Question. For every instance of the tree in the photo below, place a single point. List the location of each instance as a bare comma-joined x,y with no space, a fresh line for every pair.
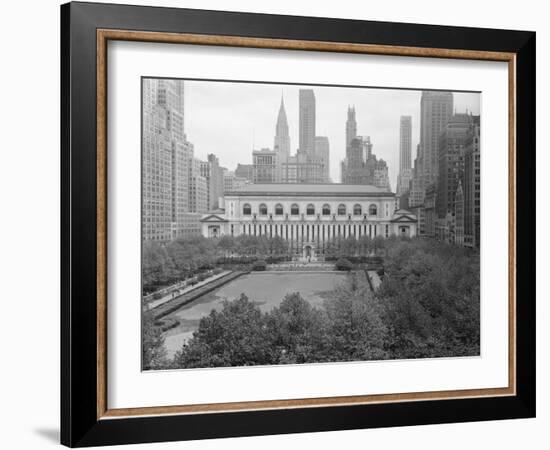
297,330
157,265
153,351
378,243
364,244
348,246
235,336
431,299
278,246
226,244
343,264
356,330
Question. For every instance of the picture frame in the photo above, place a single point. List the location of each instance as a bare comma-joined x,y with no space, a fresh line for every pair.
86,29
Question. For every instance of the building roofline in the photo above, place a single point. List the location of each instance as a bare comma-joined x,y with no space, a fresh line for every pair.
309,190
308,194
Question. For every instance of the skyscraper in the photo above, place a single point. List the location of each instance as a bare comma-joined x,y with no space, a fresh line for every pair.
198,190
245,171
436,108
166,156
452,145
266,166
303,169
351,127
416,195
471,186
307,121
282,138
458,237
405,143
322,152
213,173
362,167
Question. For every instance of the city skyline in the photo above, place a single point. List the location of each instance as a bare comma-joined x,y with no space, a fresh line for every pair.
249,113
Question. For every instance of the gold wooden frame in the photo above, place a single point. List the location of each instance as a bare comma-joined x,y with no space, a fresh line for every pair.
103,36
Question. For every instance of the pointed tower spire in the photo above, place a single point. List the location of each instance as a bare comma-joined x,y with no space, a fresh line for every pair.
282,138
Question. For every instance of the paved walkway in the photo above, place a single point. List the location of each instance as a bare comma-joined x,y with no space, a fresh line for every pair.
176,303
177,293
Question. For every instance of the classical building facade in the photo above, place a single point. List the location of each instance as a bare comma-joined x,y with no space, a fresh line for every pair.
309,216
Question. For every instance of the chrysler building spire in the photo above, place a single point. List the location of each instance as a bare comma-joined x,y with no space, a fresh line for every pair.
282,137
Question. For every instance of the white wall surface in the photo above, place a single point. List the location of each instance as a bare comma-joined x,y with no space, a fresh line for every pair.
29,188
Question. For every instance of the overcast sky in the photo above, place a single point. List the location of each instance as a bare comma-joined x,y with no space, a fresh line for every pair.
229,119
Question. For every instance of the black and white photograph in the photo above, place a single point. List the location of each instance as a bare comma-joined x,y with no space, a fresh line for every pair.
299,224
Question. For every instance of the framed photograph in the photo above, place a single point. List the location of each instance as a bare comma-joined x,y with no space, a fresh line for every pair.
276,224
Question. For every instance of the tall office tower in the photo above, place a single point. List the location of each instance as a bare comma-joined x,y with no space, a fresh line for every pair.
165,160
303,169
357,151
322,152
452,145
266,166
436,108
458,213
471,186
213,173
232,182
245,171
215,190
282,138
351,126
198,191
362,167
405,143
416,195
380,175
307,121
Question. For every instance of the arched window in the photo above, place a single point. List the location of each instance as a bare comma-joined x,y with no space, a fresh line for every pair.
357,210
341,209
326,210
373,210
278,209
247,210
263,209
294,210
310,210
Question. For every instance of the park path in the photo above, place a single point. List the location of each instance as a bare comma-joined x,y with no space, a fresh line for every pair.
175,303
174,294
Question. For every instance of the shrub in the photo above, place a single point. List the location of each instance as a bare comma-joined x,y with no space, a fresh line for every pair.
202,276
277,259
259,265
157,295
218,270
343,264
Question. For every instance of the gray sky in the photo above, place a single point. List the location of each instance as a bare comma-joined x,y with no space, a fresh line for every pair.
227,119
